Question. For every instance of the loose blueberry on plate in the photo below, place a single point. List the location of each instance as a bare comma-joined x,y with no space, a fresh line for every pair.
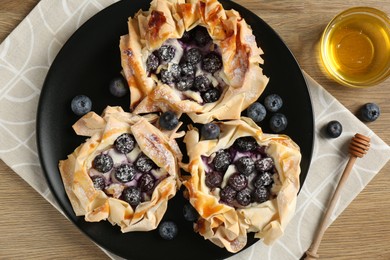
278,123
256,112
132,195
211,95
245,144
118,87
245,165
168,120
222,160
125,172
124,143
210,131
144,163
166,53
369,112
334,129
213,179
273,102
99,182
212,62
103,163
190,213
81,105
168,230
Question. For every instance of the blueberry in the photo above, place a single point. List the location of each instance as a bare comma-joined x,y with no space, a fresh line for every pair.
103,163
118,87
185,83
273,102
278,123
228,194
264,164
263,179
146,182
168,120
81,105
175,71
166,53
245,165
99,182
334,129
213,179
245,144
260,194
202,83
210,131
369,112
168,230
167,77
256,112
152,62
132,195
211,95
201,36
125,172
221,161
187,69
125,143
212,62
244,197
144,163
193,56
238,181
190,213
186,37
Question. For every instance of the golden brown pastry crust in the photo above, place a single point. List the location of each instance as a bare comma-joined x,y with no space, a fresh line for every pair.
168,19
102,132
224,225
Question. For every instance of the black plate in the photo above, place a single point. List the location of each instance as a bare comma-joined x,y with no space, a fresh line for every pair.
86,64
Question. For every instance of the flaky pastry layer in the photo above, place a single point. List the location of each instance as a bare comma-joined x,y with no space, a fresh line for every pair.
168,19
224,225
102,131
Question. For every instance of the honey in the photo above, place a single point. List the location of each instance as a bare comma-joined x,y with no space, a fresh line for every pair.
356,47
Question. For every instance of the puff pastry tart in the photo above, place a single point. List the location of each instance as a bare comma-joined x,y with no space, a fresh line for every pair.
245,181
194,57
124,173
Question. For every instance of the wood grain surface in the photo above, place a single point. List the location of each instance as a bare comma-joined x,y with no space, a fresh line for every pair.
30,228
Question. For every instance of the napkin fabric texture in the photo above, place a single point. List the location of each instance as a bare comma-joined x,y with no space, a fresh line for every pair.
25,58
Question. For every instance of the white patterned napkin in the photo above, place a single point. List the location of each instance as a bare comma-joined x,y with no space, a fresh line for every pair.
25,58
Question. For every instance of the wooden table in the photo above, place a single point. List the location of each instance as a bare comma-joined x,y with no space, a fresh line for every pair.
31,228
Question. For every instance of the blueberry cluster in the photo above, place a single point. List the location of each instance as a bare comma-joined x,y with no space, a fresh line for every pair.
184,76
253,173
135,176
272,103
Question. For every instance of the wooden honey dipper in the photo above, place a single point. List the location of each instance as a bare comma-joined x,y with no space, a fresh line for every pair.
357,148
